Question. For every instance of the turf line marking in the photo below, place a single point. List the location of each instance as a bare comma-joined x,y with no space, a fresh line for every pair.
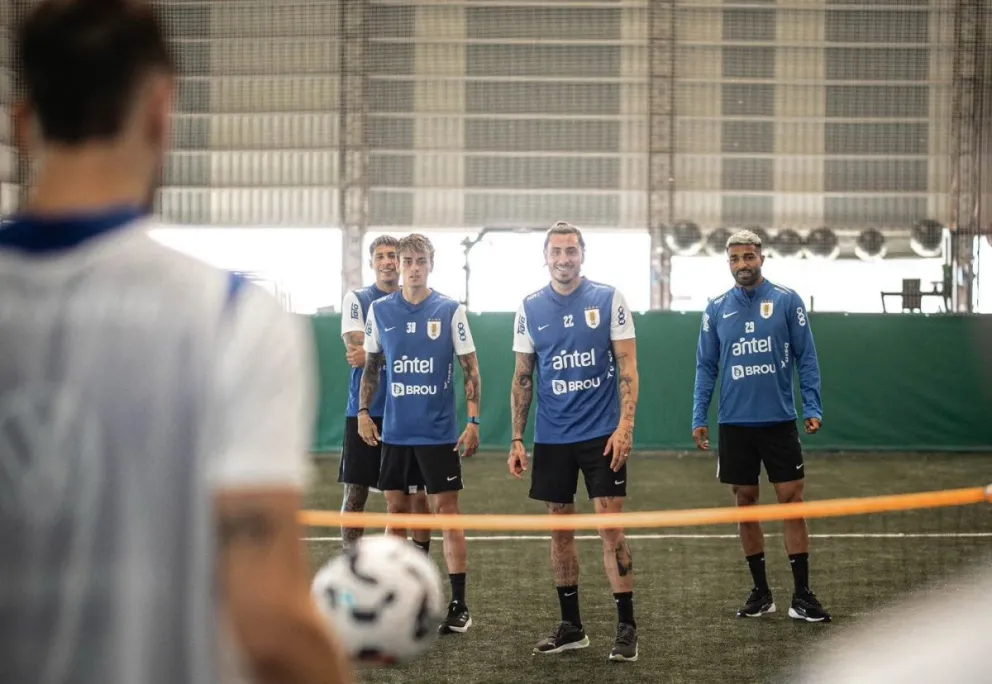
839,535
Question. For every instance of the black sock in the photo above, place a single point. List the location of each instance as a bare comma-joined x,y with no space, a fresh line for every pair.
425,546
568,599
457,587
757,565
625,608
800,571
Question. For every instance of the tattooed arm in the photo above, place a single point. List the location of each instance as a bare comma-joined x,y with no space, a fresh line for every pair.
374,363
625,352
473,382
354,352
522,393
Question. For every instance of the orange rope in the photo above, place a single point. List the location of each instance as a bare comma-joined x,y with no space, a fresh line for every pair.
656,519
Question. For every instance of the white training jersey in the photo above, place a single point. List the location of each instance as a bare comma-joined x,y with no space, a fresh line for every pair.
135,383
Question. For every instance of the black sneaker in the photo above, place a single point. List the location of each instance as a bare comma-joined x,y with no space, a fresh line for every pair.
457,621
625,645
759,602
565,637
805,606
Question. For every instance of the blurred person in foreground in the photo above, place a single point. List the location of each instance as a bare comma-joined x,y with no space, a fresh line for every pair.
579,335
155,413
415,334
752,337
360,462
938,634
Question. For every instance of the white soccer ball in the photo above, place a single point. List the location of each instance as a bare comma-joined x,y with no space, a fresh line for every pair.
383,599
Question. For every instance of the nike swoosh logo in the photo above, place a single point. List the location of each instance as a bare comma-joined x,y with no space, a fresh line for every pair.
388,329
732,313
571,594
452,479
799,466
619,482
542,327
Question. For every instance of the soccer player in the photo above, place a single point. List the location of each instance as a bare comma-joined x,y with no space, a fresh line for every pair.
155,412
415,334
758,332
359,469
580,335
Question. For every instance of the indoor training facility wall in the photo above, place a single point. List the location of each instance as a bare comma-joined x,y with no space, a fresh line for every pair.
890,383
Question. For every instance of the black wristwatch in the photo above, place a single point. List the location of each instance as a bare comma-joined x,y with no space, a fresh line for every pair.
473,420
363,410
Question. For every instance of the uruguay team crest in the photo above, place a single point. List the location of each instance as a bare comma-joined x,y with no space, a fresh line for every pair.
433,328
592,317
767,307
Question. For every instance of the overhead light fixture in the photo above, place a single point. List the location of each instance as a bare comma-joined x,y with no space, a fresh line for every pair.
787,244
870,245
684,238
716,242
822,243
926,238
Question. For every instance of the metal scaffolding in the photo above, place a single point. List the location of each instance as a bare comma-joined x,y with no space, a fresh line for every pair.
966,125
354,155
661,146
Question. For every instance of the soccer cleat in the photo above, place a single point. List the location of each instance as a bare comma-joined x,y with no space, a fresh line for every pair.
457,621
805,606
625,645
759,602
565,637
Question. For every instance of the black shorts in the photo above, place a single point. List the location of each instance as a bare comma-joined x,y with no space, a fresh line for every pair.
743,448
360,463
439,466
555,471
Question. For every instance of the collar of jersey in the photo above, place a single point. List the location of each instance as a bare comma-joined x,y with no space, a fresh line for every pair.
564,299
414,307
748,297
40,235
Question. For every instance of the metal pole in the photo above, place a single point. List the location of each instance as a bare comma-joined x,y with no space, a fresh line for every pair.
353,152
661,145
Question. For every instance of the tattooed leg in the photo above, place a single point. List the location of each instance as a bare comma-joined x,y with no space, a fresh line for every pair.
564,557
617,559
355,497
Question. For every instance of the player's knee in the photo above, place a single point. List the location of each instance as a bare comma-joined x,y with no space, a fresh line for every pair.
791,492
608,504
446,505
562,538
561,508
419,502
745,495
397,505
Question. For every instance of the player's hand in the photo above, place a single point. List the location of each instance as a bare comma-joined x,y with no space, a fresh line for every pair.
619,444
367,429
355,356
468,443
812,425
517,462
701,435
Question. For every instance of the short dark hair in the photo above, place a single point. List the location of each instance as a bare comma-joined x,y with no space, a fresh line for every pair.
81,63
383,241
563,228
